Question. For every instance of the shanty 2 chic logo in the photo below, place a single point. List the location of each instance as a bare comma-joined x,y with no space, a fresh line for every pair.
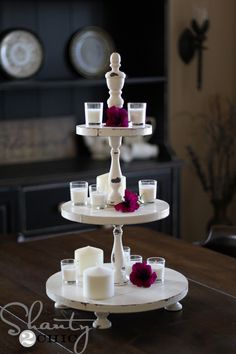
28,338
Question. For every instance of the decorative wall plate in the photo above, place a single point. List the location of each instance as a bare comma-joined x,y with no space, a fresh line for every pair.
90,50
21,53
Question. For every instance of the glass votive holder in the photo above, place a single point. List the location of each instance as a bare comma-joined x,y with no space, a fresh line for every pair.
79,192
134,258
158,266
69,271
93,113
137,113
147,190
98,198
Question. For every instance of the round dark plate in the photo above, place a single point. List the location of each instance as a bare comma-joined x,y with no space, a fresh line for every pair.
21,53
90,50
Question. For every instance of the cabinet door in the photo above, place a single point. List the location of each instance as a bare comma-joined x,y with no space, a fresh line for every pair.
40,209
3,219
164,177
8,205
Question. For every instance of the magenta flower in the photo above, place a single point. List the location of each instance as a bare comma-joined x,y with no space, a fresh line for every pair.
142,275
130,203
116,117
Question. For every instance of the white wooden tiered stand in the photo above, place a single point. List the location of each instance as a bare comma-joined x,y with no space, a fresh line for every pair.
128,298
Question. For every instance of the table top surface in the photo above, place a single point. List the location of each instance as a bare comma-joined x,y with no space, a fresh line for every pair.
205,325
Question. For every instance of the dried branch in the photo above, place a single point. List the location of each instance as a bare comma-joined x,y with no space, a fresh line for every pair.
220,131
198,168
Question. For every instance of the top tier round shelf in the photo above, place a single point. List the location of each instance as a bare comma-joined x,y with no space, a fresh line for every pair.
86,214
113,131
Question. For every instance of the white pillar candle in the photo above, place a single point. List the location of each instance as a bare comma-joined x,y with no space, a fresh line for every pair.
98,283
103,184
88,257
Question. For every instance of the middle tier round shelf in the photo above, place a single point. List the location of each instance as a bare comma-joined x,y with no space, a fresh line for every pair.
88,215
85,130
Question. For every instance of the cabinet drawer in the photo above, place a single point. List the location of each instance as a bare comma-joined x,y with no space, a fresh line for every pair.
41,206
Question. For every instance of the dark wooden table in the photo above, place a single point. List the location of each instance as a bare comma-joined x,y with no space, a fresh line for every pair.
207,323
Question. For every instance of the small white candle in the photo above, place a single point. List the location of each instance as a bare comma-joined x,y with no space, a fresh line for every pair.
159,269
69,273
158,266
147,193
69,270
93,116
93,113
88,257
98,283
128,267
137,113
98,199
137,116
79,196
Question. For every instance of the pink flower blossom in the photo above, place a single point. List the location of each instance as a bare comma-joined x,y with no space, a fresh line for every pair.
130,203
116,117
142,275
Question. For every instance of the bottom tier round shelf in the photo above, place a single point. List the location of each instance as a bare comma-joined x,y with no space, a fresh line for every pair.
127,299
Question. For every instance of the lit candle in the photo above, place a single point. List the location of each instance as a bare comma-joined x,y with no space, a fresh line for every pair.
98,283
88,257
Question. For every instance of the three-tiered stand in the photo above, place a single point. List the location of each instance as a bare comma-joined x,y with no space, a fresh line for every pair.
128,298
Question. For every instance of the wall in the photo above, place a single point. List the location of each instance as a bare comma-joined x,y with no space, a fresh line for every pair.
186,102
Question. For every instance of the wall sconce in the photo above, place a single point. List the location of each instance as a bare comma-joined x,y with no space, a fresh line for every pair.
191,42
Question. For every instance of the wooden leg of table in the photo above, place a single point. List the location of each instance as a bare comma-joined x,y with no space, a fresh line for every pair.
102,321
174,307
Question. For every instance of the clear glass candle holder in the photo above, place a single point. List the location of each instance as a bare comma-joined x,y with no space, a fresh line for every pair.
69,271
137,113
79,192
134,258
93,113
147,190
158,266
98,198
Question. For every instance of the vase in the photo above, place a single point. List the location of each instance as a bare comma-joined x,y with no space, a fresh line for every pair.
219,214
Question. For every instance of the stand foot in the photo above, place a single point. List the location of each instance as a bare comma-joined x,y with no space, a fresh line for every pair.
57,305
102,321
174,307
